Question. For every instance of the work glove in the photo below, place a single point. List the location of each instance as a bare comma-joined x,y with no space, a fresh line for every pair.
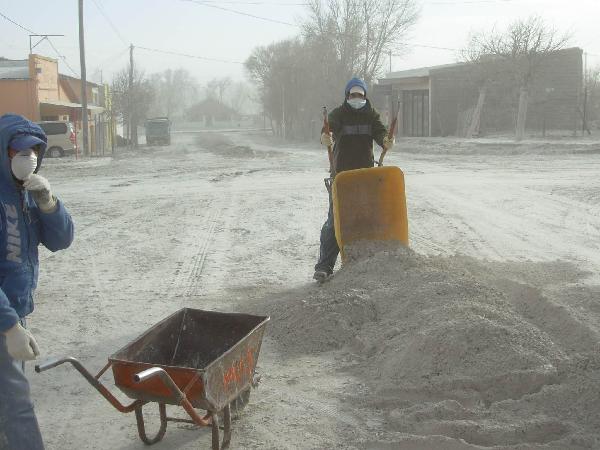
388,143
39,188
327,140
20,344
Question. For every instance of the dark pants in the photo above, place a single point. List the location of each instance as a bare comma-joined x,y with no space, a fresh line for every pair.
19,428
329,250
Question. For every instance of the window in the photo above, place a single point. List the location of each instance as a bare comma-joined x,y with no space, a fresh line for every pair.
54,128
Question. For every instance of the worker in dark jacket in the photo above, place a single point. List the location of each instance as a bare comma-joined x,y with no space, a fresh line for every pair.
29,215
354,126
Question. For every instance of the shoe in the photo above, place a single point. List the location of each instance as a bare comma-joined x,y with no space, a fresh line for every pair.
321,276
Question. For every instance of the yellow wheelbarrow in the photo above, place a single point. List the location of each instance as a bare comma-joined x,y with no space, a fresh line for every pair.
369,205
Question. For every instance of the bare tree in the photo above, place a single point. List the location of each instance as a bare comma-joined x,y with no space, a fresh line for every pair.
362,32
140,97
341,39
217,87
239,96
175,91
520,48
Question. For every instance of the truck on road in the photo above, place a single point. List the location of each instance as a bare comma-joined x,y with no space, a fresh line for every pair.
158,131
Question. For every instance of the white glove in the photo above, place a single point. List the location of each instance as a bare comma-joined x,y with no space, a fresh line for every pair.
20,344
388,143
41,193
327,140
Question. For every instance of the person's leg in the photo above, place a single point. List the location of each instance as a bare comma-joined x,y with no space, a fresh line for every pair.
329,249
19,428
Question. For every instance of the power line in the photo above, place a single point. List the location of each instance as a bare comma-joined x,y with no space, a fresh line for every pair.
101,9
205,58
113,58
467,2
20,26
252,3
241,13
61,57
48,39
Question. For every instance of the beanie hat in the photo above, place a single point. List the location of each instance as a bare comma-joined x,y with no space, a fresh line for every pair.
355,82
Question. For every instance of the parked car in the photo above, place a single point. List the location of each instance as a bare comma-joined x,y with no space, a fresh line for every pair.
61,138
158,131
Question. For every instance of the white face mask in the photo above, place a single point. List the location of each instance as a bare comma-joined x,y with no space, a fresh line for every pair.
357,103
23,164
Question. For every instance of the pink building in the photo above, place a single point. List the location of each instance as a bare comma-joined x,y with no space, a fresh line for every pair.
33,88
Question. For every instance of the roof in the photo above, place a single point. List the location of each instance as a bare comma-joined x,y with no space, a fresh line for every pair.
14,69
90,83
71,105
416,73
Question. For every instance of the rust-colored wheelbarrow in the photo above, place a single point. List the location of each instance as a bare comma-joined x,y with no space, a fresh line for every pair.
193,358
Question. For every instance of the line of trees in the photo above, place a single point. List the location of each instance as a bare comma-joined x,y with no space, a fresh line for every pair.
339,39
174,94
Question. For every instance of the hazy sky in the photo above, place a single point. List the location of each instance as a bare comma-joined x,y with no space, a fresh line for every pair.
207,30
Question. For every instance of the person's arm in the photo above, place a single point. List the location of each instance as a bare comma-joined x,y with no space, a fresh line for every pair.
8,316
56,228
378,129
20,343
335,123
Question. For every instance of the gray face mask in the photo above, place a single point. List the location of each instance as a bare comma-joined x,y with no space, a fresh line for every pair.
357,103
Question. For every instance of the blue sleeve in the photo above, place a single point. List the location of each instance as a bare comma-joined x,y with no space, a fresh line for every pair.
8,316
57,230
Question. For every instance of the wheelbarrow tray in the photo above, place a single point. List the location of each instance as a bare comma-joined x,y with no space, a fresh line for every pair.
211,356
369,205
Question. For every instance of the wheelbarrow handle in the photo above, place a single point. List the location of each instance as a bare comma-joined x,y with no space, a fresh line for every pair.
52,363
94,381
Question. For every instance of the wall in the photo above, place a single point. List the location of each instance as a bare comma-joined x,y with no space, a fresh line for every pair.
45,72
453,93
17,96
554,96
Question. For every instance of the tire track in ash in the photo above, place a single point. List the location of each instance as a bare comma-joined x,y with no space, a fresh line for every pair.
186,282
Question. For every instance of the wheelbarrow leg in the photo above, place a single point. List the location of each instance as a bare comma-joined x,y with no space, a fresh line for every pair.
226,430
215,431
139,417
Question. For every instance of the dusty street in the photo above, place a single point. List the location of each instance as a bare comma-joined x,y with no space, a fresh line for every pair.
231,223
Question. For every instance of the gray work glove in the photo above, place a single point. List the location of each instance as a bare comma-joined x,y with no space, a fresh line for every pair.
21,344
39,188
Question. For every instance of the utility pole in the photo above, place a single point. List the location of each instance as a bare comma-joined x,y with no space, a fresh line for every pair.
585,95
129,102
390,61
282,111
84,114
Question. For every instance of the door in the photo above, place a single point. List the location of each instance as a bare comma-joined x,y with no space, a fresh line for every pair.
415,112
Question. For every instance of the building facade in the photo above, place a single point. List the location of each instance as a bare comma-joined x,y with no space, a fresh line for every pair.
34,88
466,98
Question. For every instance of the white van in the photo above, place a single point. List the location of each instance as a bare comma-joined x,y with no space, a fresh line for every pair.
61,138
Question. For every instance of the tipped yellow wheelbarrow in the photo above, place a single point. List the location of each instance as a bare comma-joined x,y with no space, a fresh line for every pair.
369,205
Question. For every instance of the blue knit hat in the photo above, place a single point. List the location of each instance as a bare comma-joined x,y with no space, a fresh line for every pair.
355,82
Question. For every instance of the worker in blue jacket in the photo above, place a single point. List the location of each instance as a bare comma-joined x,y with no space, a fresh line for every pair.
29,215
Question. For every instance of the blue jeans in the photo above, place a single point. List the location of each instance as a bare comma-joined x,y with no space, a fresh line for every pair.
19,428
329,250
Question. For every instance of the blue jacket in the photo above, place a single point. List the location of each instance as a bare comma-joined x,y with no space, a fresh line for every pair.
22,228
